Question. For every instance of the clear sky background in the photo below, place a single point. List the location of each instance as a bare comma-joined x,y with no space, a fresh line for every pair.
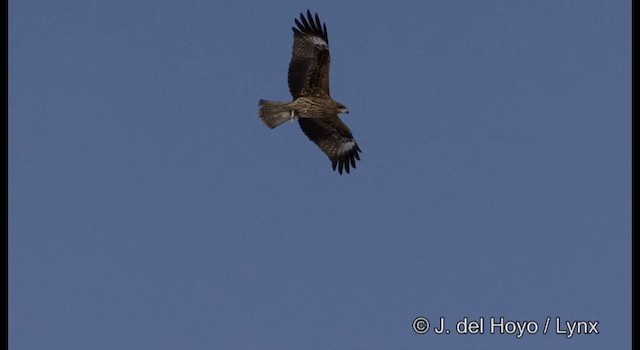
150,208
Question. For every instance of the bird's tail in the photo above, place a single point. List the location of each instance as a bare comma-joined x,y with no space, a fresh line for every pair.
274,113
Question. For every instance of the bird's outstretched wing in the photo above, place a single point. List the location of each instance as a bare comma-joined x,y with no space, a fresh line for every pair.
309,66
335,139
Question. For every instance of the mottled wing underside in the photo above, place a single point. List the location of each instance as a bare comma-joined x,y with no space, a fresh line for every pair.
335,139
309,67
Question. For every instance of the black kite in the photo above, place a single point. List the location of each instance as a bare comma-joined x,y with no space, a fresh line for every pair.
312,105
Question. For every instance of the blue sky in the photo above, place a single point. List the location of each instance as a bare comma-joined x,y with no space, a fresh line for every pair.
150,208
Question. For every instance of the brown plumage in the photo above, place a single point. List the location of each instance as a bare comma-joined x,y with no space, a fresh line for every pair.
312,104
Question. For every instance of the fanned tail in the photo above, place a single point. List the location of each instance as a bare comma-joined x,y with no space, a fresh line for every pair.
274,113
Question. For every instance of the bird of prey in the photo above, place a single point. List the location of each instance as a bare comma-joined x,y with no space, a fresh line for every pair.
312,105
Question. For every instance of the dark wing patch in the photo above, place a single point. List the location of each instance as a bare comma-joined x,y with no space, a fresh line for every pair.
310,59
335,139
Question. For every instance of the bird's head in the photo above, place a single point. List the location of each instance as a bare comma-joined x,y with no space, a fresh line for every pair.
342,108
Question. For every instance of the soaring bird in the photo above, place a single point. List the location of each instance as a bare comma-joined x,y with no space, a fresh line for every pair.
312,105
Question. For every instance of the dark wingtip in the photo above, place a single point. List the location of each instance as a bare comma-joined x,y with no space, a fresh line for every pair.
311,24
348,161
